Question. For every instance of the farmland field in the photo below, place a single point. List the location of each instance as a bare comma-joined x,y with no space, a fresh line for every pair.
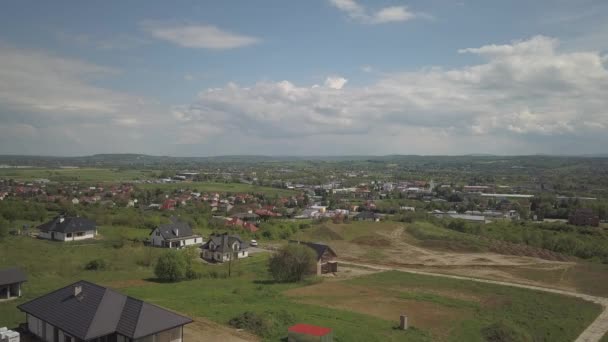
93,175
218,187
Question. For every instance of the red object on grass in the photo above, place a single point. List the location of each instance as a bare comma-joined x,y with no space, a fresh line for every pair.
309,330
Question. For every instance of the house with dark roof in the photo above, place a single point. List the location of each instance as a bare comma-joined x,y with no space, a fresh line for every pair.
325,257
10,282
367,216
584,217
176,234
85,311
63,228
224,247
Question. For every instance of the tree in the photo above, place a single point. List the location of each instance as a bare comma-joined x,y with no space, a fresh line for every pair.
291,263
172,266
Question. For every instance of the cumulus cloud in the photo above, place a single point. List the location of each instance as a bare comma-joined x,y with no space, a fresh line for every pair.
524,89
384,15
198,36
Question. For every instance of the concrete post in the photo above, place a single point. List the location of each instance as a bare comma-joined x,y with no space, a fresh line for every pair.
403,322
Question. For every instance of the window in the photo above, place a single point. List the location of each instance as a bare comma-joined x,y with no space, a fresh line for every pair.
79,234
69,234
157,233
67,338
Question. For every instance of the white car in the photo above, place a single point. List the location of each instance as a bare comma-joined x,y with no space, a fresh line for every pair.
253,243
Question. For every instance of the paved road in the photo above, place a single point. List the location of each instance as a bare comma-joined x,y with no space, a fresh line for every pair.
592,333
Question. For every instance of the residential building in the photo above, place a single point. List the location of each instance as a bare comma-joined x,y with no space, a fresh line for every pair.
224,247
10,282
584,217
63,228
176,234
367,216
86,311
325,257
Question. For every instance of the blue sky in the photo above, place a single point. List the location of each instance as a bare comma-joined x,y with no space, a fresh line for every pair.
303,77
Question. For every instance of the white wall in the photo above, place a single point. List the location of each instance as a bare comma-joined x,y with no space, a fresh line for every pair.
89,234
158,240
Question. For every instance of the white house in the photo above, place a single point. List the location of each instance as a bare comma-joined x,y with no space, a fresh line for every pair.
63,228
176,234
224,247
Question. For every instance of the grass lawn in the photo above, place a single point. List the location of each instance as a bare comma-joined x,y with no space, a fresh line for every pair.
219,187
455,310
92,175
359,309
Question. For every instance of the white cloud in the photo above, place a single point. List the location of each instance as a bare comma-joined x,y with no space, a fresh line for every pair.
384,15
394,13
524,90
197,36
335,82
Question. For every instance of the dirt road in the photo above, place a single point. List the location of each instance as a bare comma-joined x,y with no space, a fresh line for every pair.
592,333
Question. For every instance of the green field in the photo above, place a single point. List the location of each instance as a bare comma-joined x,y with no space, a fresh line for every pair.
219,187
460,308
93,175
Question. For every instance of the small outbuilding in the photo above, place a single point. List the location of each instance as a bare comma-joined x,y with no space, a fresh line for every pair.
10,283
309,333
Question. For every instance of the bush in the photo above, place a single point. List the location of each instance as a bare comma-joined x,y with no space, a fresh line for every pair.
292,263
266,324
96,265
504,332
171,267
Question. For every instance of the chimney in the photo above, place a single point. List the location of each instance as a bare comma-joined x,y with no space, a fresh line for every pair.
77,290
61,219
176,231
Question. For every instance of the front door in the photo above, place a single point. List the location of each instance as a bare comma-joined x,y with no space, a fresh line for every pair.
52,235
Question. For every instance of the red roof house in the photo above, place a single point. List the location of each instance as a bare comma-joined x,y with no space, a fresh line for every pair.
306,332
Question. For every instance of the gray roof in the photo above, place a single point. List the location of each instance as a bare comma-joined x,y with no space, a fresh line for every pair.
68,225
175,229
367,215
224,241
99,311
319,248
11,276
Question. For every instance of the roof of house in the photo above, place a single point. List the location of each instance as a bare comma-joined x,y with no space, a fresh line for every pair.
12,275
246,216
319,248
64,224
367,215
176,229
308,329
98,311
224,242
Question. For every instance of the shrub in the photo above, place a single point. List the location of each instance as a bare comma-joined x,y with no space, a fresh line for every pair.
96,265
171,266
266,324
291,263
504,332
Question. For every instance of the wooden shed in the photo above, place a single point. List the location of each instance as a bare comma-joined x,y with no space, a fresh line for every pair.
309,333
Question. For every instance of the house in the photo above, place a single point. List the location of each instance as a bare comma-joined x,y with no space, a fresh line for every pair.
325,257
367,216
10,282
224,247
168,204
176,234
308,333
86,311
63,228
584,217
248,217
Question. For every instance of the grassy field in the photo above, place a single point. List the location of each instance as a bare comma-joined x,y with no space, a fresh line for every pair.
455,310
76,175
219,187
360,309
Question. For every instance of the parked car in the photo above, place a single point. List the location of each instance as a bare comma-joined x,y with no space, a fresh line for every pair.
253,243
